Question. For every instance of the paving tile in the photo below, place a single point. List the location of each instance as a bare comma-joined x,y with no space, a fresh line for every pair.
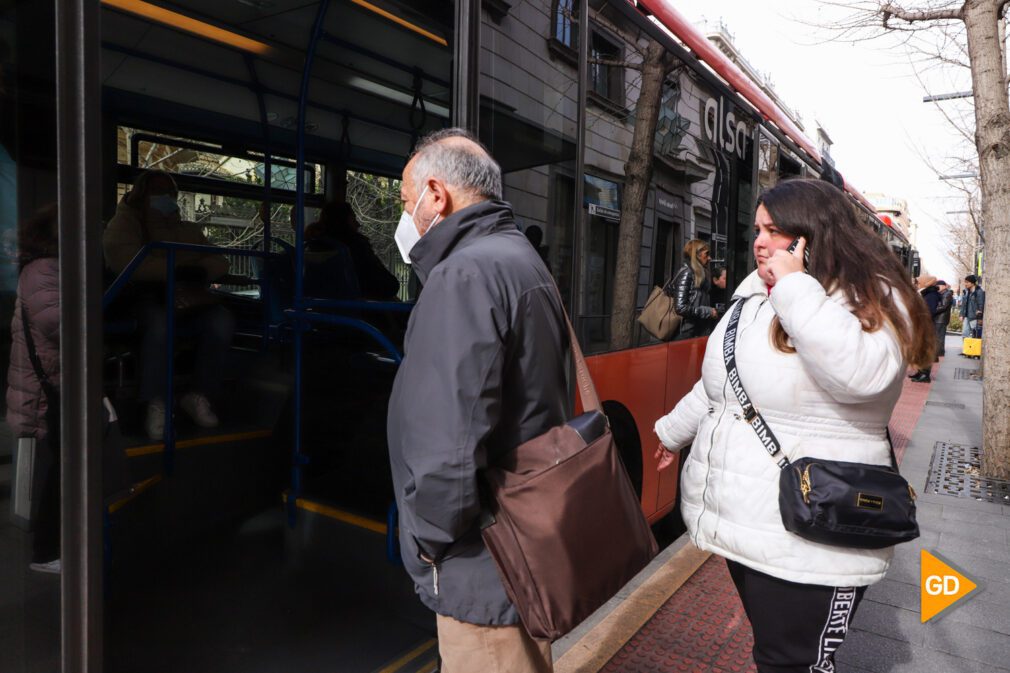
985,518
978,546
889,621
892,592
969,642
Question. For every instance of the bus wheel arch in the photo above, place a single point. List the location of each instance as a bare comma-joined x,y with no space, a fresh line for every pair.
629,444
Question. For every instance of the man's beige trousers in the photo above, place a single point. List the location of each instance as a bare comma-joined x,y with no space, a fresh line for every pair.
470,648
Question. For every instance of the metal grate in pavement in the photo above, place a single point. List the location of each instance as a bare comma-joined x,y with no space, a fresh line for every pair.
952,405
967,374
955,470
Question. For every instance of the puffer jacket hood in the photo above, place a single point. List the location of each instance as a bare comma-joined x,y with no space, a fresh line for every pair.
39,293
484,371
831,399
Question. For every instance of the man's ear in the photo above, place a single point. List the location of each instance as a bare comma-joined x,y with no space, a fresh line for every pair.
443,198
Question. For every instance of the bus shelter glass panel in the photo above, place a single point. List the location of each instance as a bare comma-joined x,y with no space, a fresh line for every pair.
29,315
528,118
205,538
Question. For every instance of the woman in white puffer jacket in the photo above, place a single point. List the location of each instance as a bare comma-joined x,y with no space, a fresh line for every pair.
822,355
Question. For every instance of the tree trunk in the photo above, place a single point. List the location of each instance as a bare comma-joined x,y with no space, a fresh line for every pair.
638,175
992,138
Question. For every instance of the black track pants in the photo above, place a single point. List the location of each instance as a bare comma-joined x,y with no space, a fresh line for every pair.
797,627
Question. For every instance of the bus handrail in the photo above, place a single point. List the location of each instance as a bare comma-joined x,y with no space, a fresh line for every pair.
353,323
126,275
360,305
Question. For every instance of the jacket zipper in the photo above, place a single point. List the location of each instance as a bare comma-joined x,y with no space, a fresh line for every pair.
711,439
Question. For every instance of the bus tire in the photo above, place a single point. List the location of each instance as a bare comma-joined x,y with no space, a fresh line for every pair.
629,446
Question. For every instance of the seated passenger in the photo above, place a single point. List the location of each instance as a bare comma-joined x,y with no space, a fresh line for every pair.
340,226
150,212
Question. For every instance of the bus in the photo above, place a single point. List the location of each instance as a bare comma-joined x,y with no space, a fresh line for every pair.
265,543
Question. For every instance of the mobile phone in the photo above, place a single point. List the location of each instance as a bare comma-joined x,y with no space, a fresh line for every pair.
806,252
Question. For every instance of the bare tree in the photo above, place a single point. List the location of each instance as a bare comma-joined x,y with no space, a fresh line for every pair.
983,45
656,65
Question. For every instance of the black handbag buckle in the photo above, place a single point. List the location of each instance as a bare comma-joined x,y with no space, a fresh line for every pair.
749,413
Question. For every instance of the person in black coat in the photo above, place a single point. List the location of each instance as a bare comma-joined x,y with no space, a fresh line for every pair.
690,290
931,295
941,317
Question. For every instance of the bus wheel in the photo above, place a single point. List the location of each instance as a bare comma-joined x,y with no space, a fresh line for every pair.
629,447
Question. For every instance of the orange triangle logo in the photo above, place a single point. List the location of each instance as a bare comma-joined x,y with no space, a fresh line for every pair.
940,586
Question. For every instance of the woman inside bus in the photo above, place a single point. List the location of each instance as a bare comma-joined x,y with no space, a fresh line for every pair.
150,212
690,290
822,355
29,409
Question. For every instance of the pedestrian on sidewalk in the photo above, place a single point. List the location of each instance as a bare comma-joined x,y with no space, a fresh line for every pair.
484,371
822,356
941,317
972,305
931,295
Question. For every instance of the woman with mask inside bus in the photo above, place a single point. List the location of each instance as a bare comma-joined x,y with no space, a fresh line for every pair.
821,349
150,212
690,290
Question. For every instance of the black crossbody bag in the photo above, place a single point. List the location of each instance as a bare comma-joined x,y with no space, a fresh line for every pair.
830,501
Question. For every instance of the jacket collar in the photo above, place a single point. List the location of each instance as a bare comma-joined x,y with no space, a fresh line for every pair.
476,221
750,286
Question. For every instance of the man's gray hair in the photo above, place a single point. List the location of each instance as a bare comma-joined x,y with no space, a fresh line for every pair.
457,164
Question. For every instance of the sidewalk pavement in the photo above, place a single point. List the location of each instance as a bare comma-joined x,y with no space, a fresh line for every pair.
683,613
887,634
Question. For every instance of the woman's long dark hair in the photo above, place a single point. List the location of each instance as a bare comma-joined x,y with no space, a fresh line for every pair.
847,256
37,235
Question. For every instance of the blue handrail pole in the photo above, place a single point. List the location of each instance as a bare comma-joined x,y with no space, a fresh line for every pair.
169,454
354,323
298,458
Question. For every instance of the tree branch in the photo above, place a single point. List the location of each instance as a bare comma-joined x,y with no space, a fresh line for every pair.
889,9
616,64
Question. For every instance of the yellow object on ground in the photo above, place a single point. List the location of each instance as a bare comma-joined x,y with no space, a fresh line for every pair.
972,348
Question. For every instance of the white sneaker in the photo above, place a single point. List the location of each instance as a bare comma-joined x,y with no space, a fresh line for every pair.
197,407
52,567
154,424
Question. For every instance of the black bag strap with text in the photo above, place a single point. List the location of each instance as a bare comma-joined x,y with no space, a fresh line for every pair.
750,414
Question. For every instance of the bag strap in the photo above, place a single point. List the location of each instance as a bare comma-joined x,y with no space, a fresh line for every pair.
587,391
750,414
47,385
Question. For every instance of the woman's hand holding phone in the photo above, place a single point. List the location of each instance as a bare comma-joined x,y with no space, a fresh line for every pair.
790,260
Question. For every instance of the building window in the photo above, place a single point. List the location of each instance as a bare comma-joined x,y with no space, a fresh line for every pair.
605,79
566,23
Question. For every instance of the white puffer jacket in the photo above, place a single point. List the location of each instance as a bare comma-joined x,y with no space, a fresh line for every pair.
831,399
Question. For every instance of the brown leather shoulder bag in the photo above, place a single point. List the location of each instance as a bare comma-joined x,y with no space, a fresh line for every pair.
564,525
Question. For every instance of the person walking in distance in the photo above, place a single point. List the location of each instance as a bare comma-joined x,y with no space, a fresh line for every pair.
930,293
972,305
821,350
941,317
486,351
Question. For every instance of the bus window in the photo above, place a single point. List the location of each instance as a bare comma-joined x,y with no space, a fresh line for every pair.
527,119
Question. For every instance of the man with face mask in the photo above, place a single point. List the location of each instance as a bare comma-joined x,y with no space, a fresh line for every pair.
150,212
484,371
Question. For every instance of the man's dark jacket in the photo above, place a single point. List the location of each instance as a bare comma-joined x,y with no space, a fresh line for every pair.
942,313
484,371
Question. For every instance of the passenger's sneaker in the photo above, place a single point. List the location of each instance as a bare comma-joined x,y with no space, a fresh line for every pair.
51,567
197,407
154,424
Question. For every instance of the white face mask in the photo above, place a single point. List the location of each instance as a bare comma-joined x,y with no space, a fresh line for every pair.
406,235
